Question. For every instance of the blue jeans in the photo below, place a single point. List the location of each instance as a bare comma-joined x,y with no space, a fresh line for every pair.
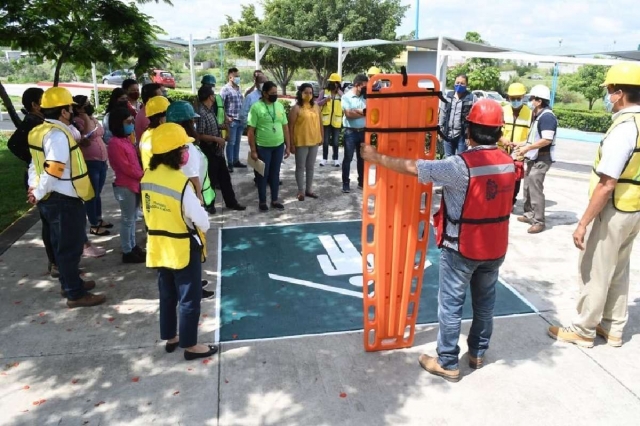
272,158
183,286
456,274
352,142
331,137
66,218
128,207
97,175
233,145
457,146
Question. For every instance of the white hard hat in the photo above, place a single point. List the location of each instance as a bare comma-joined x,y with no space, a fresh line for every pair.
540,91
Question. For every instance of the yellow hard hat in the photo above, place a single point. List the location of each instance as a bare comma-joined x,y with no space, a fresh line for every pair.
335,77
156,105
516,89
374,71
624,73
55,97
167,137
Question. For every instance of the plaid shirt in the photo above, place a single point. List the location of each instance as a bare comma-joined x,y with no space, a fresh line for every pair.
207,125
232,99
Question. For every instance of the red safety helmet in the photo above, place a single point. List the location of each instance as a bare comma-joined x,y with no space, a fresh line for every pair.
486,112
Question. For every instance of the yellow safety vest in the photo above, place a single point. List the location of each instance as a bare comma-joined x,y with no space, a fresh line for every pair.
626,194
169,237
516,130
145,148
78,167
332,111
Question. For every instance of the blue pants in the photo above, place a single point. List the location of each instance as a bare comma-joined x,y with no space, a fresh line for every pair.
128,201
457,146
331,137
181,287
456,275
66,218
97,175
233,145
352,142
272,158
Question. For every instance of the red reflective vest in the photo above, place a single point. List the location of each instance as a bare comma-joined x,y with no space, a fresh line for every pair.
483,228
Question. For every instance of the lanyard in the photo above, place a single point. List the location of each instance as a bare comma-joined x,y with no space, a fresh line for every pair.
273,116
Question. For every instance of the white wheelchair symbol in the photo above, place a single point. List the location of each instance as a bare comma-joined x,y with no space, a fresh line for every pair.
342,259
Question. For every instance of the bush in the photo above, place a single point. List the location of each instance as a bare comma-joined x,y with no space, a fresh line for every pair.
286,104
587,121
566,96
178,95
103,98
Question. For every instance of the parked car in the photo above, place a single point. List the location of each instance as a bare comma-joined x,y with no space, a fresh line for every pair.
117,77
535,77
490,94
314,85
163,77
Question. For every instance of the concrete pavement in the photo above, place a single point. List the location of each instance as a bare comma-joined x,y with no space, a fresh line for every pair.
105,365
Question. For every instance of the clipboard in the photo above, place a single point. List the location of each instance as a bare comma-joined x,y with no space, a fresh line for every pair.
257,165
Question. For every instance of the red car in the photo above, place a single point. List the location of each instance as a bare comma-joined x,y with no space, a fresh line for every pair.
164,77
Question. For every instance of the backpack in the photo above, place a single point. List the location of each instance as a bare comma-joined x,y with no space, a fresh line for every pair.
19,141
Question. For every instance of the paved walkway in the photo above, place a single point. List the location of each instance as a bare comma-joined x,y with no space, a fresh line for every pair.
106,366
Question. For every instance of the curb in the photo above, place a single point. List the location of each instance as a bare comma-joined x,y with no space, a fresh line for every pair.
18,228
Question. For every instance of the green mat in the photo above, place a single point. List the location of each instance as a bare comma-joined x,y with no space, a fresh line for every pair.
306,279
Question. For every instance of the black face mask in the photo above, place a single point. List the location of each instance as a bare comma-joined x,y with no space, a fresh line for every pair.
363,92
122,104
89,109
331,86
273,98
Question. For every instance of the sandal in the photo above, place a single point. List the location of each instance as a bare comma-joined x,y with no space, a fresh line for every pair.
311,195
300,197
106,225
95,230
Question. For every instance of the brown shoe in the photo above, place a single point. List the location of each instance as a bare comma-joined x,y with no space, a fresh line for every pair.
87,300
524,219
614,341
431,365
87,285
476,363
565,334
536,229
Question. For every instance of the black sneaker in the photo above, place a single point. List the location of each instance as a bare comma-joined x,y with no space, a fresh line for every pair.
132,257
345,188
230,168
238,207
276,205
205,283
239,165
211,209
206,294
263,207
140,251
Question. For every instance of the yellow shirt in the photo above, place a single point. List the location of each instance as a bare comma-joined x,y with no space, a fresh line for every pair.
306,129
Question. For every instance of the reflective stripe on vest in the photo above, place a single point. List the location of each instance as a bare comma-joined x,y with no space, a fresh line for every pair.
76,164
626,194
169,241
208,193
516,130
220,112
483,228
332,111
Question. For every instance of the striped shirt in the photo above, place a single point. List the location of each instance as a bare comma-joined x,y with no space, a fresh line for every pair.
453,175
206,124
232,98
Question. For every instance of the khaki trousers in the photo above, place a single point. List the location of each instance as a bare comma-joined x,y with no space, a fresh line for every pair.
604,273
534,201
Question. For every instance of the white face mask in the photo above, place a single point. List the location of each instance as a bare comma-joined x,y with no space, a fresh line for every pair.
236,80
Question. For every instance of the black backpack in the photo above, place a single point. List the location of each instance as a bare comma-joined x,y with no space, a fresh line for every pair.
19,141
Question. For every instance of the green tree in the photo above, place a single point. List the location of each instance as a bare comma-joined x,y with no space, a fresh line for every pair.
61,31
484,74
586,82
323,21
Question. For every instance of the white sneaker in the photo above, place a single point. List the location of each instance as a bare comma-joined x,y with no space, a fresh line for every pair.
139,215
323,163
336,163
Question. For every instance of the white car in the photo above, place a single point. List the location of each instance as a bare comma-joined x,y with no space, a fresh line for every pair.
489,94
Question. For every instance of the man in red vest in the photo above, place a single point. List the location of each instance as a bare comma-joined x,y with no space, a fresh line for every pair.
472,228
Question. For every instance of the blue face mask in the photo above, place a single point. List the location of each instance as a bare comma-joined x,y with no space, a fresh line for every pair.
608,105
460,88
128,129
516,104
530,105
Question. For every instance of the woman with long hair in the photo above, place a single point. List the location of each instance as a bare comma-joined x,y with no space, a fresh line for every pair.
118,98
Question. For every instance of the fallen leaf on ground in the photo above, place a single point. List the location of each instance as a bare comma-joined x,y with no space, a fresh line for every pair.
112,285
99,404
17,302
24,411
111,319
176,392
235,336
135,379
206,361
74,381
189,369
226,381
205,316
69,329
40,402
41,314
43,322
343,395
25,387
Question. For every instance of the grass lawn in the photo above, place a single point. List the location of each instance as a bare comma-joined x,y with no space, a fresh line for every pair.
13,202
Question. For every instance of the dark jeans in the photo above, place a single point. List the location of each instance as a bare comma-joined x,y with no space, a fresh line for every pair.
272,158
219,173
97,175
456,146
66,217
331,137
183,287
236,128
456,275
46,232
352,142
516,191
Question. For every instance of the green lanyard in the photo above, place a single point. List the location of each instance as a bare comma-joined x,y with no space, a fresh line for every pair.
273,116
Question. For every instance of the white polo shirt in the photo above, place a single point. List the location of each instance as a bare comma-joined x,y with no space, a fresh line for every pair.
618,146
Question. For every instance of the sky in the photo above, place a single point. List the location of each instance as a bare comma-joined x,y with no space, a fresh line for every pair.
532,26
